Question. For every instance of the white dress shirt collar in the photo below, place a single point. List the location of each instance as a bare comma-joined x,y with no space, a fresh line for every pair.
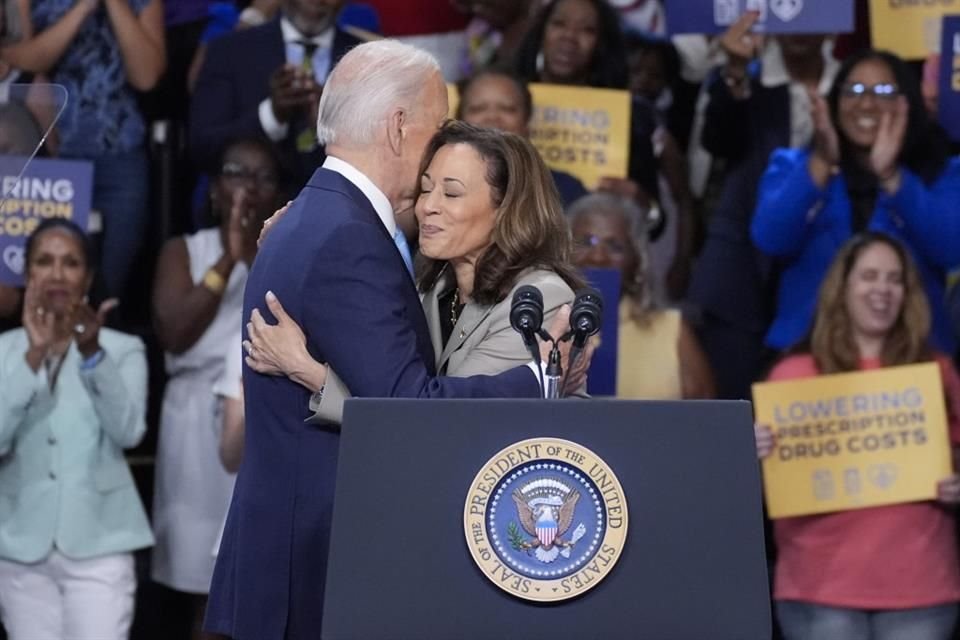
373,193
292,36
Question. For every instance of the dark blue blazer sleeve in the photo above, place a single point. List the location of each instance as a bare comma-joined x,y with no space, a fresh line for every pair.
356,309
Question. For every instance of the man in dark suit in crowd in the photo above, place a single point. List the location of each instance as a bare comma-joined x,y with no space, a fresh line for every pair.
342,268
268,80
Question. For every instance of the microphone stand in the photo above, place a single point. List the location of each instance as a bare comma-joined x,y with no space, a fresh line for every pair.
553,388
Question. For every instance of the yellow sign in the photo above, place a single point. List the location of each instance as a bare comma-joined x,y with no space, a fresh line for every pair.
854,440
909,28
583,131
545,519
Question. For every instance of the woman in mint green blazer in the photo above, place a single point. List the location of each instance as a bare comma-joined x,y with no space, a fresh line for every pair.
72,397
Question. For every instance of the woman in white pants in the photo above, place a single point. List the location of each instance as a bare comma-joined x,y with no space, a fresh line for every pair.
72,399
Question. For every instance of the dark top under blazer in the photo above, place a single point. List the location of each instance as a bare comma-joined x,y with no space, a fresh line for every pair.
335,267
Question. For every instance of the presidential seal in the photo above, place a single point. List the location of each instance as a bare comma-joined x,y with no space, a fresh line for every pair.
545,519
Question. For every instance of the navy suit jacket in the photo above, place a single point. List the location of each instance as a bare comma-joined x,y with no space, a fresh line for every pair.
234,80
339,275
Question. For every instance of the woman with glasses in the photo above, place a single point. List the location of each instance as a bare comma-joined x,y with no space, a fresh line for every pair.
197,311
877,163
658,357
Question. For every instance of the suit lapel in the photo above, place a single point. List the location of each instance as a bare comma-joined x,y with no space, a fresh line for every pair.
470,319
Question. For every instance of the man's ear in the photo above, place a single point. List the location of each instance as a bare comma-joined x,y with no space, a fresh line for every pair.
396,130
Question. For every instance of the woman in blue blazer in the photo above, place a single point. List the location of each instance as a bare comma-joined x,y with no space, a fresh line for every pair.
72,397
877,163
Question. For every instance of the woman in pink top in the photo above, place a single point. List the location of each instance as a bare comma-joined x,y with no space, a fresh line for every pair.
880,573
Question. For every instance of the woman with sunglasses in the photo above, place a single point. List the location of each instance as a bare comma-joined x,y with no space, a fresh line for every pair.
876,163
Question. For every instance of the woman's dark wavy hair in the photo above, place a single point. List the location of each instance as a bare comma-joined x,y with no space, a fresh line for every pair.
530,230
925,148
608,66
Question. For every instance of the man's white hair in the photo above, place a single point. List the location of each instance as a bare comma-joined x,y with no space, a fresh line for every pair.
366,84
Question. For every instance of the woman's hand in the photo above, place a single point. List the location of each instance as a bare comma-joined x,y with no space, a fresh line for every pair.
268,223
889,142
40,325
281,349
739,44
948,490
86,324
237,227
766,441
826,142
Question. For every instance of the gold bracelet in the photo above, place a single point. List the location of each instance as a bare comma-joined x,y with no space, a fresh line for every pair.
214,282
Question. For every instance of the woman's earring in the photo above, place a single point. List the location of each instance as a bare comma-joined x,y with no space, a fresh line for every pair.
539,62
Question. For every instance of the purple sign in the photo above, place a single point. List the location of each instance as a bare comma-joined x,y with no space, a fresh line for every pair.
48,189
602,376
775,16
948,100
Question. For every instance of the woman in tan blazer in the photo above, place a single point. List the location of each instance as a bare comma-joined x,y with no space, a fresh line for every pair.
490,221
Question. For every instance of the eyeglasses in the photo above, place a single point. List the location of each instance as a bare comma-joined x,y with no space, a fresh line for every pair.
584,243
235,171
883,91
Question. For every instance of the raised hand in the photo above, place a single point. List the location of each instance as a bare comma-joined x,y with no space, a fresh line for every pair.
237,227
86,324
39,323
826,142
740,45
889,141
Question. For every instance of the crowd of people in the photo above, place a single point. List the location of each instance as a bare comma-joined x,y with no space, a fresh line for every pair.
787,212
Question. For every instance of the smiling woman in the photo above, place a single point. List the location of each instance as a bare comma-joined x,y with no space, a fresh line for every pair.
893,570
73,398
876,163
490,221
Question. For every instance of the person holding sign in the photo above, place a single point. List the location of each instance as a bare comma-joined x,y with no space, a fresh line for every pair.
877,162
580,43
887,572
73,398
501,100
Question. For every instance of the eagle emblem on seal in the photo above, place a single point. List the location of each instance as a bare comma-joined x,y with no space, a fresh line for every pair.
545,509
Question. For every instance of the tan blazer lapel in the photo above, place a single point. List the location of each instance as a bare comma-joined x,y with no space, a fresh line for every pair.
470,319
432,313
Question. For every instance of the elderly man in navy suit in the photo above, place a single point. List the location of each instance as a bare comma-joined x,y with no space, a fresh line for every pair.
268,80
342,267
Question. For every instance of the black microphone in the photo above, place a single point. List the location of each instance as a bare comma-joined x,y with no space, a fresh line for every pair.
526,316
585,319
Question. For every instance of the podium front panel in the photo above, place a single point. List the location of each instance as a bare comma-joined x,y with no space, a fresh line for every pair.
693,565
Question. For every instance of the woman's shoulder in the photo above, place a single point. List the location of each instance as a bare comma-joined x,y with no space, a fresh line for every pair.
12,338
555,289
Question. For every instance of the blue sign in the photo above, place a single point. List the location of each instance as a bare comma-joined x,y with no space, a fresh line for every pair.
48,189
602,376
948,101
775,16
